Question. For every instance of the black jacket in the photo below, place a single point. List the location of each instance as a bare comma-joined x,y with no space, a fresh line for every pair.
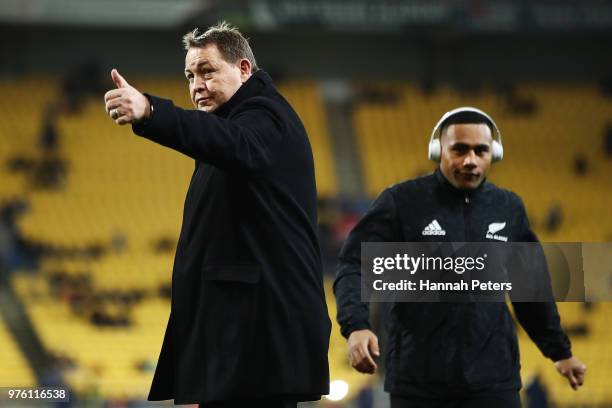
248,316
438,348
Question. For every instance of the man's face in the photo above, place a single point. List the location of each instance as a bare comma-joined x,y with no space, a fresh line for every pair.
212,80
466,154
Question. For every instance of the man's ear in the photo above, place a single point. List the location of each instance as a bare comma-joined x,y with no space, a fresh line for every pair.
245,69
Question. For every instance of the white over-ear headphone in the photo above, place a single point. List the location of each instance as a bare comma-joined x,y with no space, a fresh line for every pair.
435,147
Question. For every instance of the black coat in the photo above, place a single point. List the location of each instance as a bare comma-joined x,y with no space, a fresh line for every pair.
439,348
248,316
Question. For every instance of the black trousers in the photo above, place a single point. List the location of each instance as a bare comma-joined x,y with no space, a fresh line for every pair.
252,403
500,399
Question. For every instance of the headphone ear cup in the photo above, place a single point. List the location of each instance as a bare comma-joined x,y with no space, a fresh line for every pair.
435,150
497,151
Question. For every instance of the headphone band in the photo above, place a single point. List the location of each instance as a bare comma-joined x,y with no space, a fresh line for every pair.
436,133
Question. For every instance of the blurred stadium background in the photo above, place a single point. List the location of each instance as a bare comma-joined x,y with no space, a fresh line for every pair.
90,213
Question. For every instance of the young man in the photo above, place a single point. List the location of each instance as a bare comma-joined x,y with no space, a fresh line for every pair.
248,324
449,354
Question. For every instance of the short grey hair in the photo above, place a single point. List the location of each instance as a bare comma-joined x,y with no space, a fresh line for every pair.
232,45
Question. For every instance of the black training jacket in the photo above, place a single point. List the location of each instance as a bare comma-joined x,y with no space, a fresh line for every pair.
435,349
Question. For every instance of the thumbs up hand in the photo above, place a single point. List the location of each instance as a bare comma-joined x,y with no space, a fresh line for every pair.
126,104
119,81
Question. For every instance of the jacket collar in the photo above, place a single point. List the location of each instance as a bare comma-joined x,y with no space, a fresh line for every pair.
252,87
450,189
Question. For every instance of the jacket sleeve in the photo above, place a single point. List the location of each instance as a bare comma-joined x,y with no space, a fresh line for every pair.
378,225
243,143
541,319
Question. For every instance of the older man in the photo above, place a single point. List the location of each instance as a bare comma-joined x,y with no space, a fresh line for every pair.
248,323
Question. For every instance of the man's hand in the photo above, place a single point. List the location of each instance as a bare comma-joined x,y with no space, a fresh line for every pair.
126,104
573,369
362,345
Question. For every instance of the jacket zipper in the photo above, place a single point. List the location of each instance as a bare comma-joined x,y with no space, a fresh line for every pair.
465,307
466,218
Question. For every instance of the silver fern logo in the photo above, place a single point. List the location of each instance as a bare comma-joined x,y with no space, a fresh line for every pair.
494,228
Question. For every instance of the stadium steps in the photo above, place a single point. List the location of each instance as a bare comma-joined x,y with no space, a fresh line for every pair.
305,98
37,364
346,154
14,370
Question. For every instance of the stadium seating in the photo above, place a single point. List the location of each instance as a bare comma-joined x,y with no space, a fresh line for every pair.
124,194
539,148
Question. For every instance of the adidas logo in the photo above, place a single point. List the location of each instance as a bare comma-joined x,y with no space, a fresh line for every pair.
433,228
